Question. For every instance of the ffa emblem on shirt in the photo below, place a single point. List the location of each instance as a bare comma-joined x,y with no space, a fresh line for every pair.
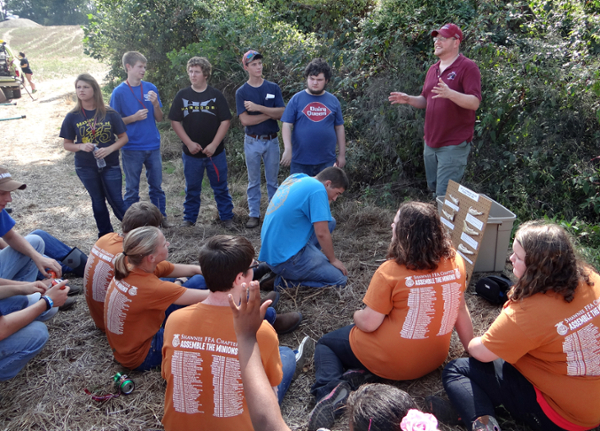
451,76
457,273
316,111
133,291
175,340
409,281
561,328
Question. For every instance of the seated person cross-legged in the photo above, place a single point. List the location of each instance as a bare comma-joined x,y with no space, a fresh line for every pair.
137,299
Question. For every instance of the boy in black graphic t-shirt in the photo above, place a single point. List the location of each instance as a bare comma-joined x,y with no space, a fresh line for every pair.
200,117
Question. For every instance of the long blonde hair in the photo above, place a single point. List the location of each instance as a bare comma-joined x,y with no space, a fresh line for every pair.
138,244
98,100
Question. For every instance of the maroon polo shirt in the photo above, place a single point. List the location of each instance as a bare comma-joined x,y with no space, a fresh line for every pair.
446,123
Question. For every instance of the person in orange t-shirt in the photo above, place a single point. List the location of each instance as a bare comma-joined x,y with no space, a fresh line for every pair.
100,270
540,358
136,299
200,351
413,302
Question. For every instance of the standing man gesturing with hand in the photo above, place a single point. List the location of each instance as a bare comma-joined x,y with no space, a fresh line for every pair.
451,95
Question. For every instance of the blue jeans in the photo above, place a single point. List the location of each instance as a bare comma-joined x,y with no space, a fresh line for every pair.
333,356
444,164
103,185
288,365
57,250
310,170
309,267
193,170
475,388
267,151
18,267
132,165
154,356
18,348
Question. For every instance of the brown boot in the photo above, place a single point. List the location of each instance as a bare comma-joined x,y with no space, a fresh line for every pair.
287,322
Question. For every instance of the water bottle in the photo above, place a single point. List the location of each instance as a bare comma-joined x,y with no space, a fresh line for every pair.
100,162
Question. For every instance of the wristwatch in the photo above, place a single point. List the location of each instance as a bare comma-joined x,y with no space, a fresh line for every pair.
49,302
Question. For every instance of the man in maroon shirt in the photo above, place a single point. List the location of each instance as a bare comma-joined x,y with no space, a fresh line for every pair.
451,95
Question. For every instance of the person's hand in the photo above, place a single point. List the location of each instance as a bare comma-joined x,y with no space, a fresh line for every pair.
398,98
194,148
35,287
142,114
58,294
339,265
45,263
209,150
88,147
441,90
152,97
341,162
286,158
250,106
102,153
249,315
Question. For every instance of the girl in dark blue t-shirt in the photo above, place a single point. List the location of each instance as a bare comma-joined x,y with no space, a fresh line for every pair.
89,131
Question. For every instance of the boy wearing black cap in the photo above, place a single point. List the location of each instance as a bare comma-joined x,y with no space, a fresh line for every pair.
259,105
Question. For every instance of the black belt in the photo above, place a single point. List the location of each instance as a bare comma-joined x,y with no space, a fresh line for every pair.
264,137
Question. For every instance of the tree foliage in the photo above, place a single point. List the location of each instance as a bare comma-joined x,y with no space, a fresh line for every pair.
537,127
52,12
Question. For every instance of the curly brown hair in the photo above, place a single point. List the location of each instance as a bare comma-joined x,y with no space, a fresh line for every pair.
420,239
551,262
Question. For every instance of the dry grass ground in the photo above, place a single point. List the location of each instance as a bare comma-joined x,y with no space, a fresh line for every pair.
49,393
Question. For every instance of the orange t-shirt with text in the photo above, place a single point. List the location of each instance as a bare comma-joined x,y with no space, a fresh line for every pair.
556,346
135,310
99,271
202,370
421,308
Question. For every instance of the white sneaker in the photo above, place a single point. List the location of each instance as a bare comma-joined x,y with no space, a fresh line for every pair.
305,351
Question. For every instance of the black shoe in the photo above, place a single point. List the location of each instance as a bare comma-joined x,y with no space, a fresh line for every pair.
186,223
261,270
326,410
356,378
75,290
69,303
268,283
443,410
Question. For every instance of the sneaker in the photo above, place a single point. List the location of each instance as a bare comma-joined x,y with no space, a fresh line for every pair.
69,303
228,224
326,410
306,349
287,322
33,91
75,290
273,296
356,378
485,423
252,222
443,410
186,223
165,224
